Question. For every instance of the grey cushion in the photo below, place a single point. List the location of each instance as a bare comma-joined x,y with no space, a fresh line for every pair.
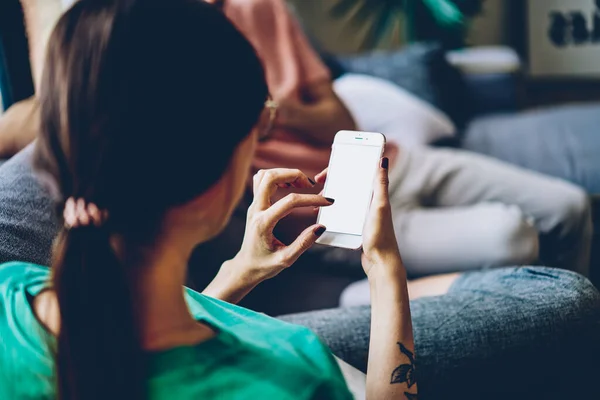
408,68
421,69
27,220
561,141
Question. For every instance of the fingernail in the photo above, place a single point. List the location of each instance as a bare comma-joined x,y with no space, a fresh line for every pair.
329,199
312,182
319,231
385,162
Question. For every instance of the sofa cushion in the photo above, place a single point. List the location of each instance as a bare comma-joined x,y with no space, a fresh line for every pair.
561,141
27,220
421,69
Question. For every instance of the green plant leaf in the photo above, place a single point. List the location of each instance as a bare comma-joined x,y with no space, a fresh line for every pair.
342,8
384,23
446,13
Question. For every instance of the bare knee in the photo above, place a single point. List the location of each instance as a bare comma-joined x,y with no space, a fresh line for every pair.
571,207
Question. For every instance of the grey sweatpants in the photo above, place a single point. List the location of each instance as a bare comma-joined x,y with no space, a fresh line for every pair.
511,333
456,211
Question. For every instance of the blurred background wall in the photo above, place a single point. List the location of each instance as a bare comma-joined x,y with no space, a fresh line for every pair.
491,27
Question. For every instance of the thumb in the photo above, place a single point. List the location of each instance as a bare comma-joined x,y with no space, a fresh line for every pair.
307,238
380,190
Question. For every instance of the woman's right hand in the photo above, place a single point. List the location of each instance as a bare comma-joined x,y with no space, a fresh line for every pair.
262,255
261,251
380,247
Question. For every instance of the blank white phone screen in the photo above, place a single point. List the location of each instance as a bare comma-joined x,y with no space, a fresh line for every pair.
350,178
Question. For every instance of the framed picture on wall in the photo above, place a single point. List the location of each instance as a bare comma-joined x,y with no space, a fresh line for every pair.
564,38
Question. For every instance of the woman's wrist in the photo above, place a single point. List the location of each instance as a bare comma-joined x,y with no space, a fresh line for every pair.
384,265
388,285
232,283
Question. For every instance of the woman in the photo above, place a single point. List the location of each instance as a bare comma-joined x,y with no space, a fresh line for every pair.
113,313
115,301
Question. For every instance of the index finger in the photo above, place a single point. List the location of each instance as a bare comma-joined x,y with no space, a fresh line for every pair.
267,183
321,176
285,206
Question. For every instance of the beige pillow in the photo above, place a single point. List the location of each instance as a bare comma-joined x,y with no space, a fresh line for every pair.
40,18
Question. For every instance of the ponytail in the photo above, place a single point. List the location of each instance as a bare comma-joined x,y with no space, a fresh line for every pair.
97,104
98,351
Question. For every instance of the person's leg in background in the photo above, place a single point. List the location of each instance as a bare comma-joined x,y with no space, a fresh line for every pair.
512,333
456,211
472,206
454,236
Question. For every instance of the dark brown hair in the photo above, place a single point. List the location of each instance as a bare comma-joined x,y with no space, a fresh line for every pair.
142,106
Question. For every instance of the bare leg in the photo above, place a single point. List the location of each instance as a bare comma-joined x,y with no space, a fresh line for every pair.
358,293
431,285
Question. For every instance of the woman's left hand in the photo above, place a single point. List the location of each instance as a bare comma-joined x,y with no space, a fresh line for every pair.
262,255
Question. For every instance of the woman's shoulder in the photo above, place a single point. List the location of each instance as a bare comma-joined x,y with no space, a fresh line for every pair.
237,319
24,363
20,273
253,356
257,332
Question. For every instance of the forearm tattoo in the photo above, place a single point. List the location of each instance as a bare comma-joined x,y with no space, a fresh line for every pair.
406,372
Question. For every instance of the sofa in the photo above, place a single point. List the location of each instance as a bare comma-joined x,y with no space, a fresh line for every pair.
559,141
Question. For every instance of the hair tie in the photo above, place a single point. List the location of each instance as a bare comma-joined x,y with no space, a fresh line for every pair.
78,213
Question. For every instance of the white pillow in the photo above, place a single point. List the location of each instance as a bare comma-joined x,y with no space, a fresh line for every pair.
381,106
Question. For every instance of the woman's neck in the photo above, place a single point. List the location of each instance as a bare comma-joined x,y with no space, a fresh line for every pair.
159,302
164,315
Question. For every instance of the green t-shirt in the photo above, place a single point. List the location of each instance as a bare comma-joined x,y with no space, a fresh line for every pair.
252,357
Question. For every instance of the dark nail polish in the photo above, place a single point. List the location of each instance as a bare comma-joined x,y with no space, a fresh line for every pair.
312,182
319,231
385,163
329,199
